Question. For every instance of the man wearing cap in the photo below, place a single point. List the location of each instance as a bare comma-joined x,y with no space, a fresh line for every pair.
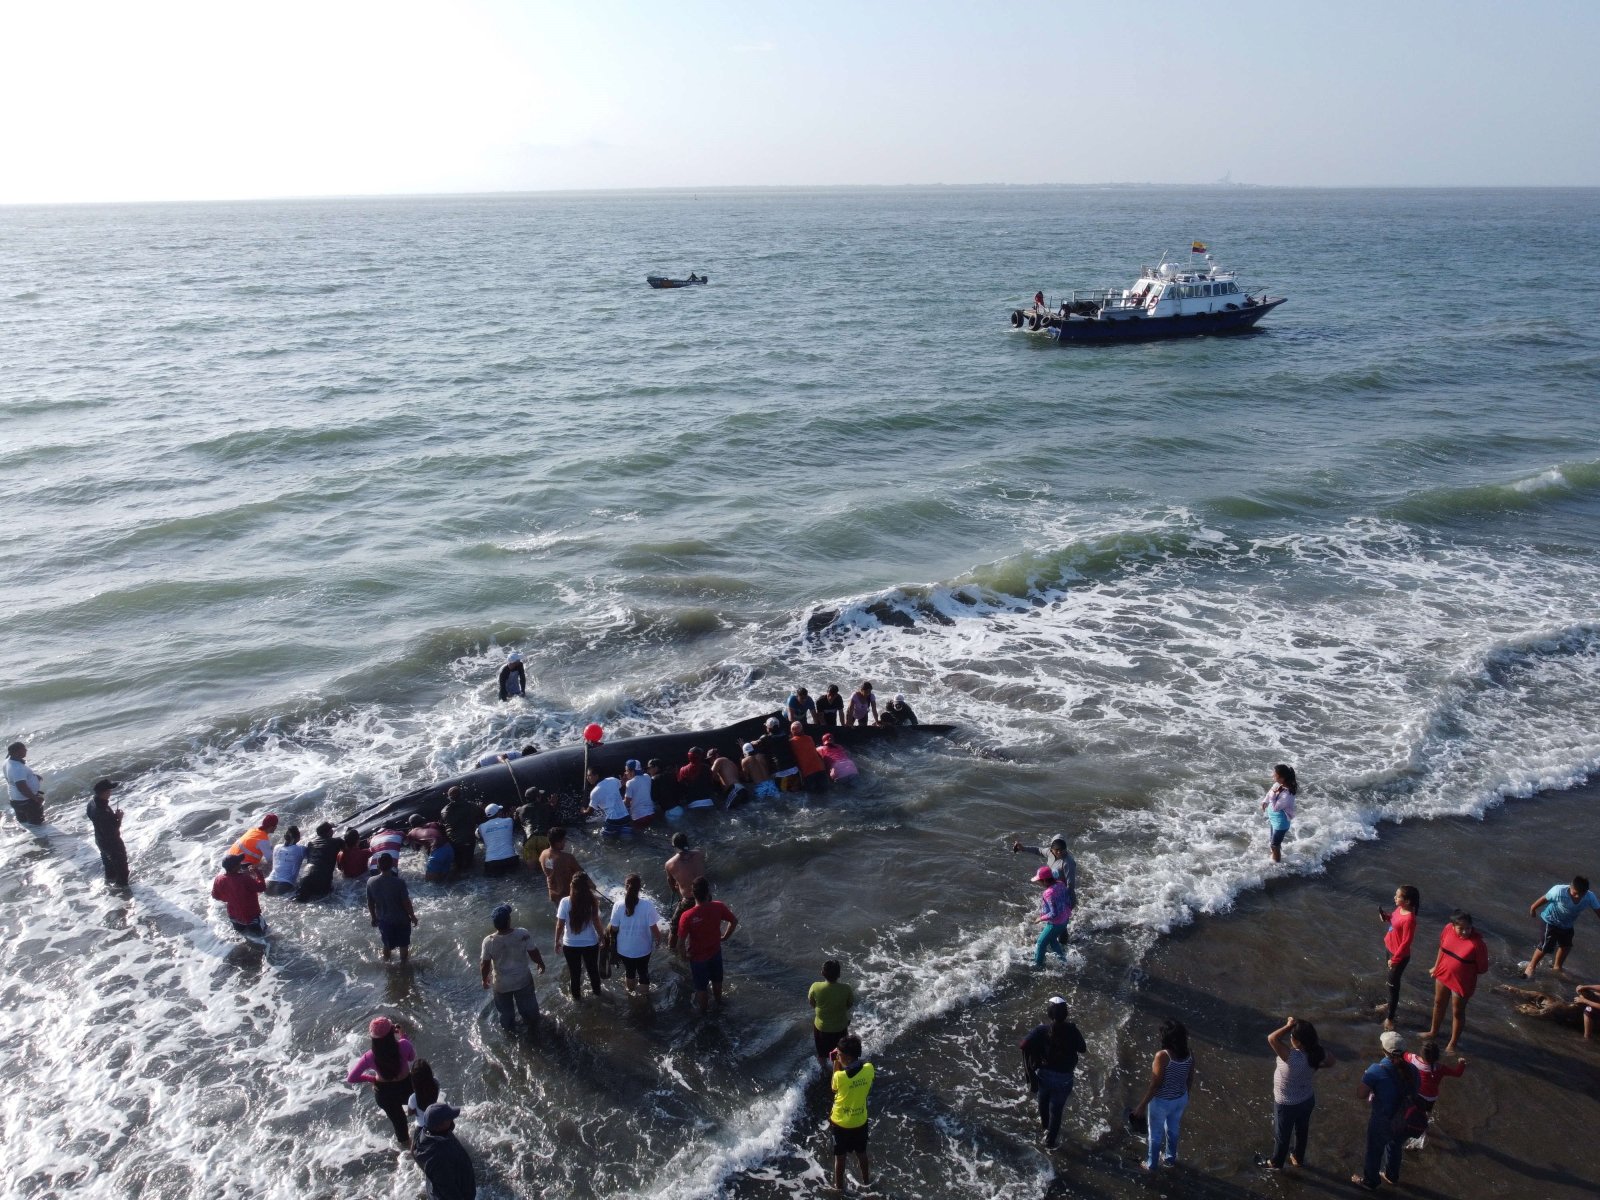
504,964
255,845
107,823
774,743
513,678
1060,861
1050,1054
25,787
239,887
638,789
757,771
389,907
444,1161
498,833
897,712
1389,1086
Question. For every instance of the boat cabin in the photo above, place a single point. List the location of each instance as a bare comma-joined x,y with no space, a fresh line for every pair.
1172,290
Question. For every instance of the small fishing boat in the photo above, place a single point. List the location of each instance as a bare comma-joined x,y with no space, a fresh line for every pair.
1169,300
661,281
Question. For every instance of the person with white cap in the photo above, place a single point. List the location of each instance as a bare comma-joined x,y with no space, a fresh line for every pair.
107,823
513,677
1390,1086
1050,1058
498,833
503,962
444,1161
897,712
756,768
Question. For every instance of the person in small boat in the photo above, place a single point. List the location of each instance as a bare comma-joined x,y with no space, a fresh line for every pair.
513,677
1038,301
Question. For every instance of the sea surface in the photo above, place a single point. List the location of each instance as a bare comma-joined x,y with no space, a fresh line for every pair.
283,483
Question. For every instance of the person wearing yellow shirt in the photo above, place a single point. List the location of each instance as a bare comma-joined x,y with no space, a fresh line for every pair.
852,1080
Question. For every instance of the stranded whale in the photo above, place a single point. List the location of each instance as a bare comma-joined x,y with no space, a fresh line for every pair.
561,771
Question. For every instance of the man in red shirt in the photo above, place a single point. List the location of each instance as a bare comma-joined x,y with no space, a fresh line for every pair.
700,938
239,887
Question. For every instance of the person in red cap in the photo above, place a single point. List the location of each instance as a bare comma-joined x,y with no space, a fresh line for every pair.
387,1067
841,767
1055,914
255,845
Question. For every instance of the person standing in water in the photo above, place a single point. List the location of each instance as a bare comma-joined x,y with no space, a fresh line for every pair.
683,868
1055,915
852,1080
638,789
1463,956
1050,1058
513,678
1172,1074
107,824
389,907
24,785
1559,909
700,938
558,865
503,963
862,705
830,1002
634,931
1402,920
445,1163
286,864
239,887
322,858
1300,1057
578,934
1278,804
387,1067
498,833
1059,859
461,818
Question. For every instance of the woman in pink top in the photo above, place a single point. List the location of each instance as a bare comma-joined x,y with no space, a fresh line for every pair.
387,1067
1462,957
840,765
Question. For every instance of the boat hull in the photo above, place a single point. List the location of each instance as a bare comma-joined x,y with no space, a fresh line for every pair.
561,771
1153,329
660,281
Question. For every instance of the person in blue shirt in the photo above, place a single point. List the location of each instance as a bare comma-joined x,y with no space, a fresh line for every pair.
1387,1085
801,707
1559,909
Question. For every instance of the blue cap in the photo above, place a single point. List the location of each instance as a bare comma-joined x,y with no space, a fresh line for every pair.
438,1114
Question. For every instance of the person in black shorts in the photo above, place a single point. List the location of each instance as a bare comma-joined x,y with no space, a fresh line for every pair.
831,1002
852,1080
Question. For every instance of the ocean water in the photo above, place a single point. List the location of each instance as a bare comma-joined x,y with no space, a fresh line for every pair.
282,483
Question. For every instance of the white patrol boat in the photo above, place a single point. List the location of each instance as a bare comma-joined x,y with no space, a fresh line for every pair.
1169,300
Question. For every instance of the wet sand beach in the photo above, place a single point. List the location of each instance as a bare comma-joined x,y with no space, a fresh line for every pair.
1519,1123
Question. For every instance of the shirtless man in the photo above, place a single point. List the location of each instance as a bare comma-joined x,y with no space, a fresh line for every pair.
683,868
558,865
758,773
726,772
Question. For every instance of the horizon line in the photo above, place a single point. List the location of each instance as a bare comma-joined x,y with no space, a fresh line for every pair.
1219,185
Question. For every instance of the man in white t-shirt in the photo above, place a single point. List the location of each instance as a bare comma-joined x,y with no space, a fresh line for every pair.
25,788
638,790
504,963
498,833
607,801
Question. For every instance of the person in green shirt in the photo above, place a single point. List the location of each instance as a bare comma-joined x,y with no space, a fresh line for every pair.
831,1000
852,1080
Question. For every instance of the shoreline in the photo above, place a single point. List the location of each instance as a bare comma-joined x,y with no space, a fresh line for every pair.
1311,946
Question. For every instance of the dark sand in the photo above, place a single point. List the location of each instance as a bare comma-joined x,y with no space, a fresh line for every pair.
1525,1119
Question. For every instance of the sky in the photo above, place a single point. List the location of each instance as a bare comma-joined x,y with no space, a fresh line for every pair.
195,99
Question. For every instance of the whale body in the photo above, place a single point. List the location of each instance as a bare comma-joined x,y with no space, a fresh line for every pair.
561,771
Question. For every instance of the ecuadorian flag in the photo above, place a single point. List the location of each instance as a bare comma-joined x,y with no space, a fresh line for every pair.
1197,248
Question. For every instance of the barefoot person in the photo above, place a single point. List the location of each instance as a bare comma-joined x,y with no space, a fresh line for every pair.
504,964
1559,909
1462,957
634,931
559,865
1050,1057
852,1080
1294,1090
1278,804
700,938
683,868
1402,920
579,934
830,1002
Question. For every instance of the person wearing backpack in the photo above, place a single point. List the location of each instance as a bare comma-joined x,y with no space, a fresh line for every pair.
1391,1087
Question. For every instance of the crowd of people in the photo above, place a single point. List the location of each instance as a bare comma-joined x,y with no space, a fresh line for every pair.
597,935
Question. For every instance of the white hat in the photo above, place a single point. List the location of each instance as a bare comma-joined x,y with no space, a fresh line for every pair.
492,811
516,656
